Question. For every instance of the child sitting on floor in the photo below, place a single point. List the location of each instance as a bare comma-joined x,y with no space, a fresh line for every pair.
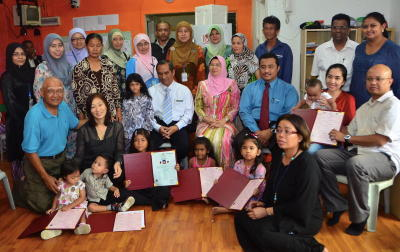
203,154
71,194
101,193
249,165
316,98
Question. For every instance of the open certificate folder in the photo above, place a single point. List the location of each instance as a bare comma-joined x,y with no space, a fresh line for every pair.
195,183
147,169
66,219
320,123
129,221
233,190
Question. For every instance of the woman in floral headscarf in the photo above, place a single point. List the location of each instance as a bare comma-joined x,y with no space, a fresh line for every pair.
216,105
187,57
242,63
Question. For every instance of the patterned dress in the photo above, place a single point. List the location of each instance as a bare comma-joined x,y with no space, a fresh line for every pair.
68,194
258,174
224,106
85,83
137,113
42,72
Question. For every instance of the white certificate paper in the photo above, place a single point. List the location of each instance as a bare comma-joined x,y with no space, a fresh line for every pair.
66,219
246,194
207,178
164,171
129,221
324,123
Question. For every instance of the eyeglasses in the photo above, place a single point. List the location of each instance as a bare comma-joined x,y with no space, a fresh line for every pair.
285,132
18,54
377,79
215,65
58,91
365,26
77,39
343,27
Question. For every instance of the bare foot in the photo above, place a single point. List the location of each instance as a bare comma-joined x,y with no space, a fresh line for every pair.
219,210
127,183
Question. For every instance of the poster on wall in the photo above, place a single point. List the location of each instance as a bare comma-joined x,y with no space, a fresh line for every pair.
127,48
201,37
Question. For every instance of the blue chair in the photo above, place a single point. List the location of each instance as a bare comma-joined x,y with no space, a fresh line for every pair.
3,177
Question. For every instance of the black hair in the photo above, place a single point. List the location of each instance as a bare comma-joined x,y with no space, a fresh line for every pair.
27,42
313,83
272,20
134,77
68,167
163,22
108,158
142,132
342,69
206,142
341,16
301,127
269,56
259,159
89,102
381,19
163,62
93,36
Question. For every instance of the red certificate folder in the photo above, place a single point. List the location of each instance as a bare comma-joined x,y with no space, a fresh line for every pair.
320,123
42,222
233,189
139,169
102,222
195,183
189,187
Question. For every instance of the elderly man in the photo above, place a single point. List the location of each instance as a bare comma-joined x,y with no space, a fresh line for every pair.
173,110
339,49
264,100
163,42
375,134
45,136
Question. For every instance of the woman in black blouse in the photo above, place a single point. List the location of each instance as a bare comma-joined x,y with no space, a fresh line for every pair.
289,214
100,135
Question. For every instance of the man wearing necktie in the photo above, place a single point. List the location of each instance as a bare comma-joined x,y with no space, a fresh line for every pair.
264,100
173,111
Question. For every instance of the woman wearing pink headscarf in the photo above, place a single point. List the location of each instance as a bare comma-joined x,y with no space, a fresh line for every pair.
216,104
142,62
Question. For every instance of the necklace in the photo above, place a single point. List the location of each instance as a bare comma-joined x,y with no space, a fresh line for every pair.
293,157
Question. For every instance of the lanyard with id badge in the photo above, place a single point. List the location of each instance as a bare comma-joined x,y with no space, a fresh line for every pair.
184,74
153,80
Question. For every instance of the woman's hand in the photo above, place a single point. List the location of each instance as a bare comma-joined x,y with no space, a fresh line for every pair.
208,119
254,204
116,193
119,115
66,208
117,170
218,124
257,213
51,211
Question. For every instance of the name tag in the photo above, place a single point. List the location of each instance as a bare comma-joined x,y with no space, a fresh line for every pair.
178,100
279,55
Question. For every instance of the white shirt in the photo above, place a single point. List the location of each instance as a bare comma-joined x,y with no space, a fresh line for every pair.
379,117
182,103
327,55
316,104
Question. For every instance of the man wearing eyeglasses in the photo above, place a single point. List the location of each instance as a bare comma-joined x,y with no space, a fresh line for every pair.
339,49
45,137
375,135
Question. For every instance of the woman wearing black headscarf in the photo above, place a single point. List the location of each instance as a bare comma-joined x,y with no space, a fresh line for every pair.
16,83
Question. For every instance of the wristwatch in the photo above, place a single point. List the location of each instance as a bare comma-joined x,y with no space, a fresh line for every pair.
347,139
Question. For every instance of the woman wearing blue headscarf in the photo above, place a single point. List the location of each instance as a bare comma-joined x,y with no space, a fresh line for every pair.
77,46
55,64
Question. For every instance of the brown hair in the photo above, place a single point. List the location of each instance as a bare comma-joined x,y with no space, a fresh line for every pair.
89,102
301,128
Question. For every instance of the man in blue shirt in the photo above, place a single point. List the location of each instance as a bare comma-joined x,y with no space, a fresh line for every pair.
282,98
271,27
45,137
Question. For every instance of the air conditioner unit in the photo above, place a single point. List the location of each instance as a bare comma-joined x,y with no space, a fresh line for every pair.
50,21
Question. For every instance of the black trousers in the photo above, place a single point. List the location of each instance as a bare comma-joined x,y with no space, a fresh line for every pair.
155,197
179,140
264,235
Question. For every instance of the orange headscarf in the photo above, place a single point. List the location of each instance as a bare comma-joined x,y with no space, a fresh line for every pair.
184,53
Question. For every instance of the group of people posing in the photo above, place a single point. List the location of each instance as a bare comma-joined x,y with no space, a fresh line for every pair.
226,103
